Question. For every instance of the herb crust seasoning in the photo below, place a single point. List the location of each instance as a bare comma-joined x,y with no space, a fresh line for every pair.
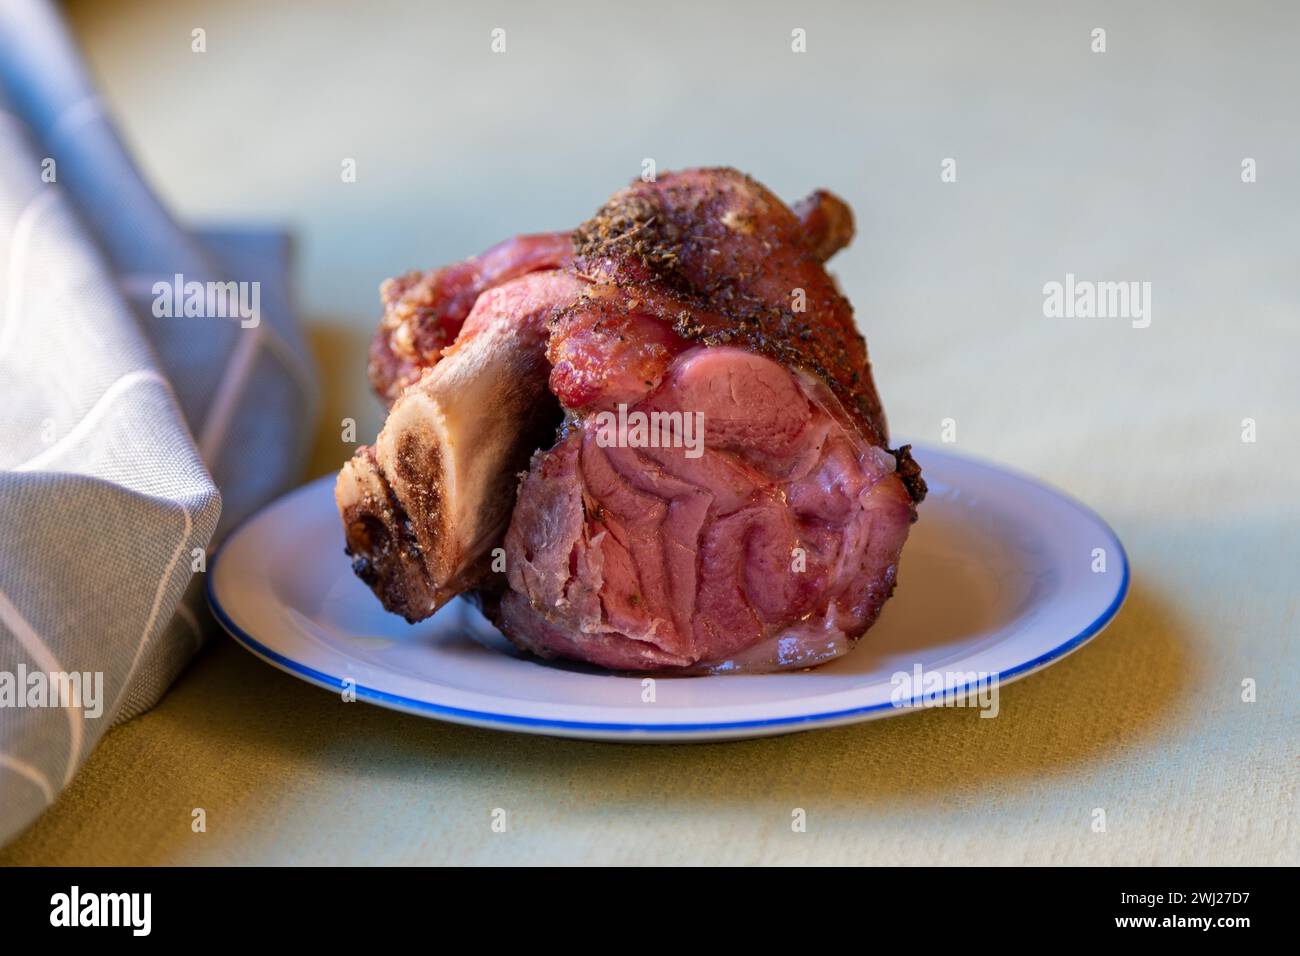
722,259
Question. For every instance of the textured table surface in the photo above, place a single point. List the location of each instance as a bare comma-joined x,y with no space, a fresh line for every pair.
1122,165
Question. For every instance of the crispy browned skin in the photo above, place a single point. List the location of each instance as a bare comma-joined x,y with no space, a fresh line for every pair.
726,262
424,310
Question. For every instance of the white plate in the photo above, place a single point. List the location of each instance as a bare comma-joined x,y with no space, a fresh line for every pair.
997,577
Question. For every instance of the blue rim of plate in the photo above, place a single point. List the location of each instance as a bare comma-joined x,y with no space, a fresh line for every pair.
507,721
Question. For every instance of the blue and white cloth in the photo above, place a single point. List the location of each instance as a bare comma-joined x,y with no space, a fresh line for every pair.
130,439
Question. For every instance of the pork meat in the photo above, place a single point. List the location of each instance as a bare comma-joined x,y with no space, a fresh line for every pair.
706,479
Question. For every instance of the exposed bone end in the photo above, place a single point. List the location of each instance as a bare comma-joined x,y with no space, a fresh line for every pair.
424,507
384,552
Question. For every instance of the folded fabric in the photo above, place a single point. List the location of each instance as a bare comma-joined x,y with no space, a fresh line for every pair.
155,389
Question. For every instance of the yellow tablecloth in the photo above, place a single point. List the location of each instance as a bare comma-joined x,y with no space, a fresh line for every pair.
1123,165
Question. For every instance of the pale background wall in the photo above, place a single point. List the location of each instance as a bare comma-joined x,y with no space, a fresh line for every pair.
1120,165
1123,165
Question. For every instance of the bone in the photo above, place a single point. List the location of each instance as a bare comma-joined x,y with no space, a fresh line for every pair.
424,507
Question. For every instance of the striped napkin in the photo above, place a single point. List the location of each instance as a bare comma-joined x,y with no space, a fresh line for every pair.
155,389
